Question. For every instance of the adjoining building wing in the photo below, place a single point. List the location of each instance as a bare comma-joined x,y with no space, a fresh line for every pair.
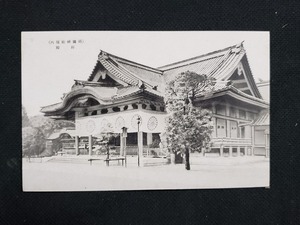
264,89
263,119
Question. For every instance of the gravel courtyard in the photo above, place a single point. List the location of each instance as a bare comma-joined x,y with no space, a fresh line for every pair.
205,172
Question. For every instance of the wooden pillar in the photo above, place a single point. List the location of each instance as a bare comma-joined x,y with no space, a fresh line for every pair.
238,151
230,151
214,133
228,130
140,148
149,139
214,119
222,150
267,145
124,146
121,145
227,108
252,140
76,145
90,145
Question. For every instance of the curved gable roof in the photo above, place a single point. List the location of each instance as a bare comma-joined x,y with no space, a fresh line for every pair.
127,71
218,64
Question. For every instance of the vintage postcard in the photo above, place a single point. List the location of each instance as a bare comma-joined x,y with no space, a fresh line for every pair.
113,110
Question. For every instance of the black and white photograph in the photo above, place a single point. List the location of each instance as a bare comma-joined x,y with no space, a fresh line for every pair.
145,110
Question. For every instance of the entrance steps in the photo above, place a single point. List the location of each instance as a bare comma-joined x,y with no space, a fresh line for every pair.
156,161
73,160
131,160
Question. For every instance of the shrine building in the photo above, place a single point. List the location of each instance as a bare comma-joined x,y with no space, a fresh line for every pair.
122,93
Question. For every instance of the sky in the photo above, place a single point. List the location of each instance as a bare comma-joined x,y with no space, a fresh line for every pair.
48,72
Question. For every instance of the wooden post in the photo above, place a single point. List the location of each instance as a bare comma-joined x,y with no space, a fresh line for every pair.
76,145
149,139
140,148
149,142
214,133
90,145
214,119
230,151
238,151
228,129
253,140
222,150
124,150
267,145
121,145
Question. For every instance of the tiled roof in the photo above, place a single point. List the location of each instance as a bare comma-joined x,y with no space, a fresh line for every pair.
105,95
129,72
222,86
263,119
62,131
137,78
264,89
219,65
52,107
216,64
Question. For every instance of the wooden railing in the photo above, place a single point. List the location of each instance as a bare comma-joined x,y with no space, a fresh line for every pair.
230,141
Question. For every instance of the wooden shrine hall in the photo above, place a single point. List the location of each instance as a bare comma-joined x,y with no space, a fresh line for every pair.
122,93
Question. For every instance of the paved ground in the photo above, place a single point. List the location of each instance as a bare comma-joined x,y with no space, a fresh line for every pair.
205,173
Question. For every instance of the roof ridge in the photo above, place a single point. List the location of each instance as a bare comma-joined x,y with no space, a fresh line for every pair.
126,60
201,56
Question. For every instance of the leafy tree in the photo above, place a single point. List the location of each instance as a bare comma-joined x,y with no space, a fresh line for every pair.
37,129
25,119
33,141
188,127
107,137
47,125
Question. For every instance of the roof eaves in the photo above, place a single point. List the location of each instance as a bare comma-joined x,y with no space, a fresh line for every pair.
248,96
234,89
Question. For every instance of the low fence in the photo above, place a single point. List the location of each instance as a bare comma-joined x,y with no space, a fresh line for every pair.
115,150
